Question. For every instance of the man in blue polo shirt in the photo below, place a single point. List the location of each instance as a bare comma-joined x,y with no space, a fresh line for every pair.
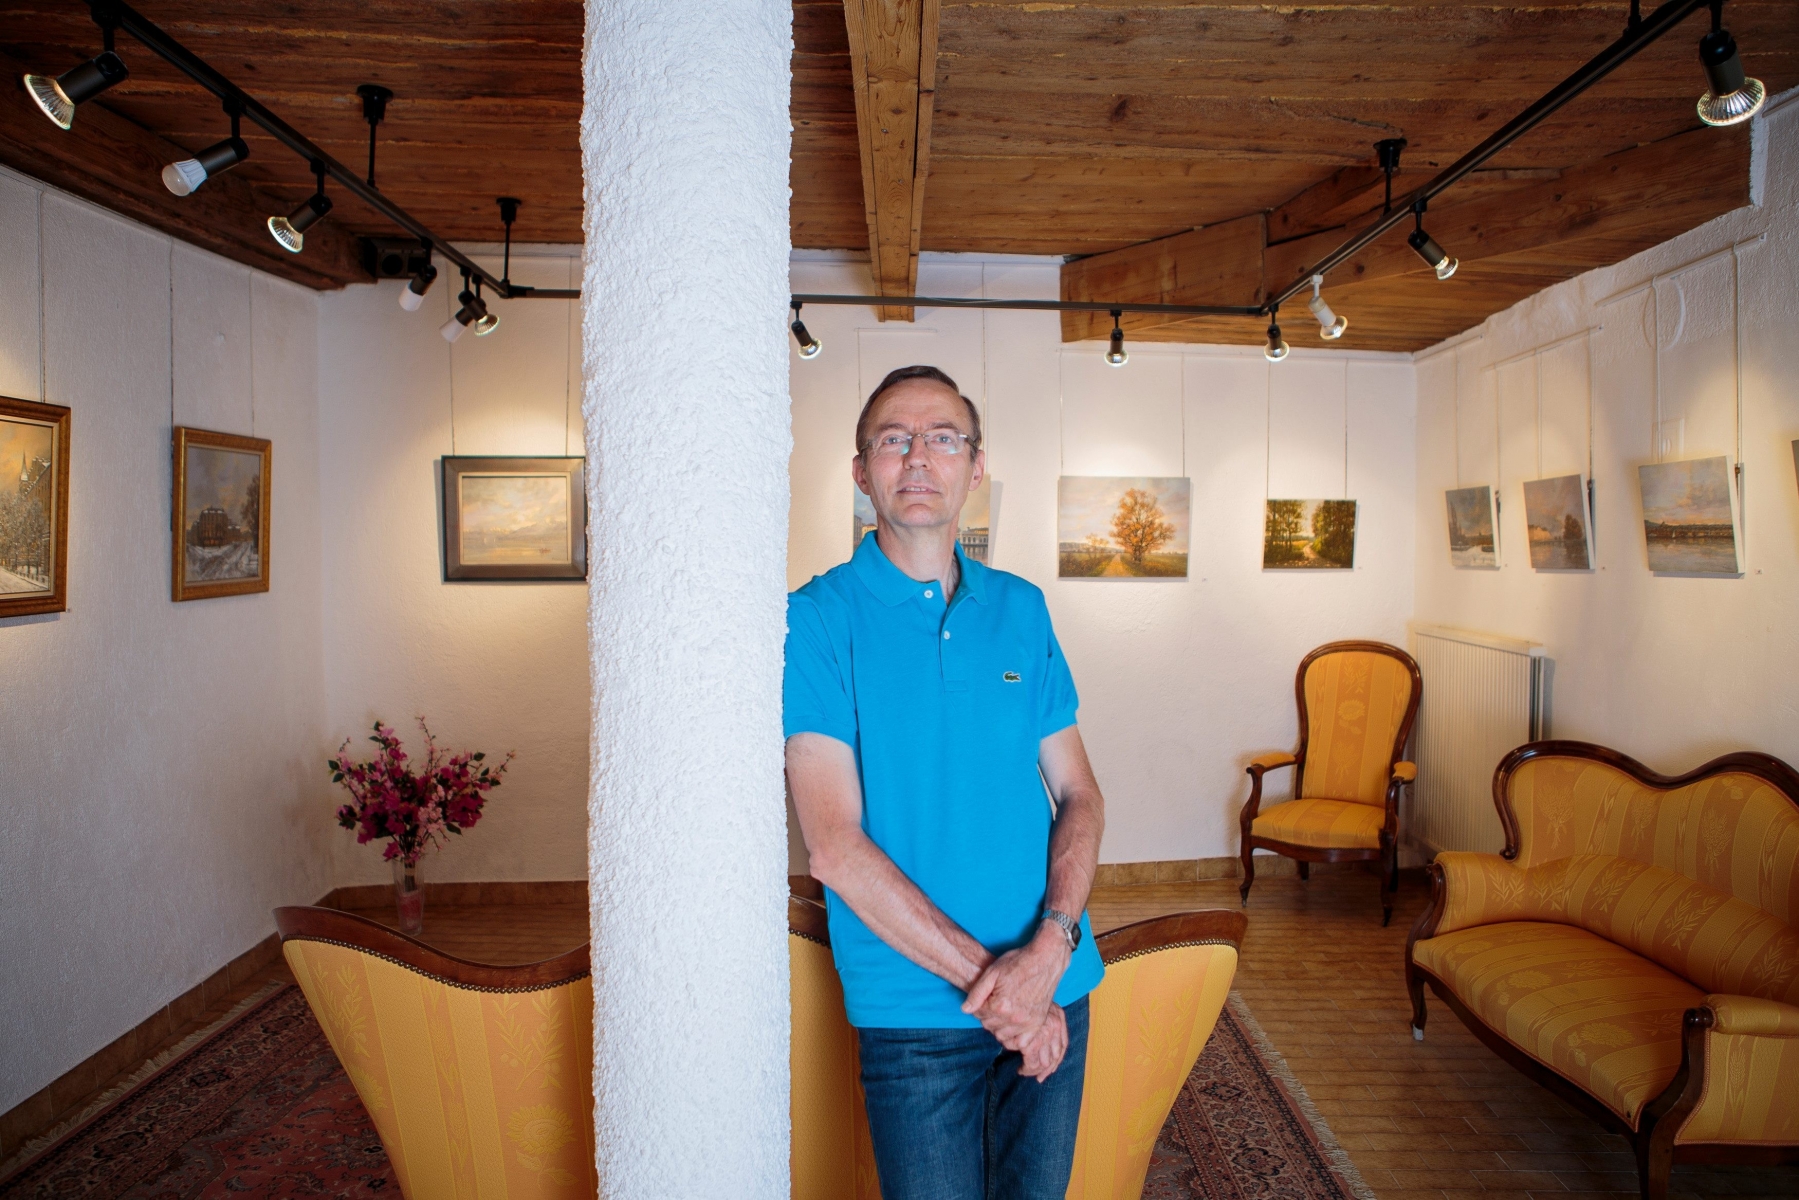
927,708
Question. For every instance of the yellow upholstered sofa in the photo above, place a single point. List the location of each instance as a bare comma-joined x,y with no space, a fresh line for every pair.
1166,982
1635,948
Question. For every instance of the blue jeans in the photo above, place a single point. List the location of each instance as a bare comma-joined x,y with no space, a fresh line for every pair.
952,1119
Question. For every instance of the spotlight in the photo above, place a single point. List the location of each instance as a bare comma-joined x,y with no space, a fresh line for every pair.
472,311
1276,349
1733,98
188,174
809,345
412,296
1116,355
290,230
1427,247
485,324
1330,325
58,96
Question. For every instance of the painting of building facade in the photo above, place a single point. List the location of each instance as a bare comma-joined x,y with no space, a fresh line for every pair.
976,529
1126,527
1688,521
1557,523
34,491
1301,534
221,514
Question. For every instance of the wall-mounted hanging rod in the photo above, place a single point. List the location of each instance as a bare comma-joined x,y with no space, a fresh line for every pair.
1105,306
1636,36
190,64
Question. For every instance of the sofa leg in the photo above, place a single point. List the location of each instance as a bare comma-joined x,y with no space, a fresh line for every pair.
1249,874
1655,1163
1305,869
1414,984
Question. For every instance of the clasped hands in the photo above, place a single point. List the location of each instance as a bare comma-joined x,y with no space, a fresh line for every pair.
1014,999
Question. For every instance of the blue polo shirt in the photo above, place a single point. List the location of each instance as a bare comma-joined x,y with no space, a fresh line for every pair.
944,706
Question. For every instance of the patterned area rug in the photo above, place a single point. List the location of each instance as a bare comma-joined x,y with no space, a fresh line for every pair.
261,1107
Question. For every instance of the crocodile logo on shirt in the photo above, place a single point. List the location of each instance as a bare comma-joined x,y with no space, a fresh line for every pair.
1012,677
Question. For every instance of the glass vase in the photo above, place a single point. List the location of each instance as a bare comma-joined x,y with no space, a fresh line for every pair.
409,897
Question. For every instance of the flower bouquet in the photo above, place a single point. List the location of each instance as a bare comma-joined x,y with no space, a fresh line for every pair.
413,808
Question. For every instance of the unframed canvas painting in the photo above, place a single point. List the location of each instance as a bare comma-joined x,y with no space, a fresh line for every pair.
1472,541
977,528
1130,527
1555,515
1687,517
1309,533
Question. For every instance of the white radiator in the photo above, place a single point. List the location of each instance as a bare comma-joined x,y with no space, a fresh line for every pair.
1483,695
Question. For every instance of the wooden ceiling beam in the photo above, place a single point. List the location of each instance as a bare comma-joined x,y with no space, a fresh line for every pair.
1220,264
893,60
1311,210
118,164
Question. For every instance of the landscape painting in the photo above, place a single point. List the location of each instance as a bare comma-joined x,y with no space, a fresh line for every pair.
1688,521
1127,527
975,529
34,492
514,518
1309,533
221,514
1472,541
1555,516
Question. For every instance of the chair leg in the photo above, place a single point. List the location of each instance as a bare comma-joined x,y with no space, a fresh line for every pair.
1305,869
1655,1163
1249,873
1414,984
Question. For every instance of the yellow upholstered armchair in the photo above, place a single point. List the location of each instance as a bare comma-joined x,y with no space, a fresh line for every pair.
1357,701
1166,982
479,1079
1634,948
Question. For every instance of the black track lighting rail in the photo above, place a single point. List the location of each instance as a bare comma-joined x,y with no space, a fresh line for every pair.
123,16
1637,36
1105,306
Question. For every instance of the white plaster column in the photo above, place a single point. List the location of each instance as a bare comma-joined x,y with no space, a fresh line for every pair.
685,143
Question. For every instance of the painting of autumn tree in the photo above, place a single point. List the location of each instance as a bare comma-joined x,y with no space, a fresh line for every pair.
1122,527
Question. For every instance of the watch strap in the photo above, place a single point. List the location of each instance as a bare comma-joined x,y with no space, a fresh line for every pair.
1070,927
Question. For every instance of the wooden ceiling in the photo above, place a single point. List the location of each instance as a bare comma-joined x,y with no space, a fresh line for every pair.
1035,126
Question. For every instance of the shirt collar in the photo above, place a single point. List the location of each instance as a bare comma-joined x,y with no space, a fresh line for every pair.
892,585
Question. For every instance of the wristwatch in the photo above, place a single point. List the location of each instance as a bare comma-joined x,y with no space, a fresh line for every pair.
1071,928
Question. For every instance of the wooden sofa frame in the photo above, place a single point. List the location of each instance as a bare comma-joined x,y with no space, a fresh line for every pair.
1653,1139
1387,853
359,933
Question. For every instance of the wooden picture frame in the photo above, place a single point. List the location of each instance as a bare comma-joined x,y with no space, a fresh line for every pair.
34,512
517,519
219,517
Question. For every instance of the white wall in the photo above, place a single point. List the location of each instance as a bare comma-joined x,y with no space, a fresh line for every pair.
161,780
1672,670
1181,682
493,666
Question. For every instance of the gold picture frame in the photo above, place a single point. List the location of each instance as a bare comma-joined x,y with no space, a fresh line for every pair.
220,515
34,509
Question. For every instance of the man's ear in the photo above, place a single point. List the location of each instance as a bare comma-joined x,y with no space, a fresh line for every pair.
980,471
859,473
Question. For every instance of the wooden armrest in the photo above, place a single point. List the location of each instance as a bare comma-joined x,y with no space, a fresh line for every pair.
1749,1014
1268,762
1405,772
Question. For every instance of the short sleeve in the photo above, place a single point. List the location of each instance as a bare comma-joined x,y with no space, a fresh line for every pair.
1059,702
814,698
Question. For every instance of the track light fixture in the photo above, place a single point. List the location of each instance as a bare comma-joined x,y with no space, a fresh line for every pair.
182,178
412,296
57,96
1330,325
486,323
1427,247
374,108
1733,97
1386,156
1116,355
472,310
809,345
1276,349
290,230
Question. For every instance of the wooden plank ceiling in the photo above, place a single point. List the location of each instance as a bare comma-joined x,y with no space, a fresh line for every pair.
1063,128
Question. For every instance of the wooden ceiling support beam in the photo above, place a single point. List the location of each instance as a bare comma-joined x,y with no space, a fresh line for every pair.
1319,207
1683,180
893,60
1220,264
118,165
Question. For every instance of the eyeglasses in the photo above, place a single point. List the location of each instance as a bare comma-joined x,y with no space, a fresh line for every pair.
945,443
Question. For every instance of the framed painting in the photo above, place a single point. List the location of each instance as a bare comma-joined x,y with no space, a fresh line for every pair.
1689,522
1301,534
1122,527
1557,523
34,507
221,514
514,518
1473,527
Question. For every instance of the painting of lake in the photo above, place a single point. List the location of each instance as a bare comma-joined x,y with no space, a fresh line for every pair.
1471,528
1688,521
1555,516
